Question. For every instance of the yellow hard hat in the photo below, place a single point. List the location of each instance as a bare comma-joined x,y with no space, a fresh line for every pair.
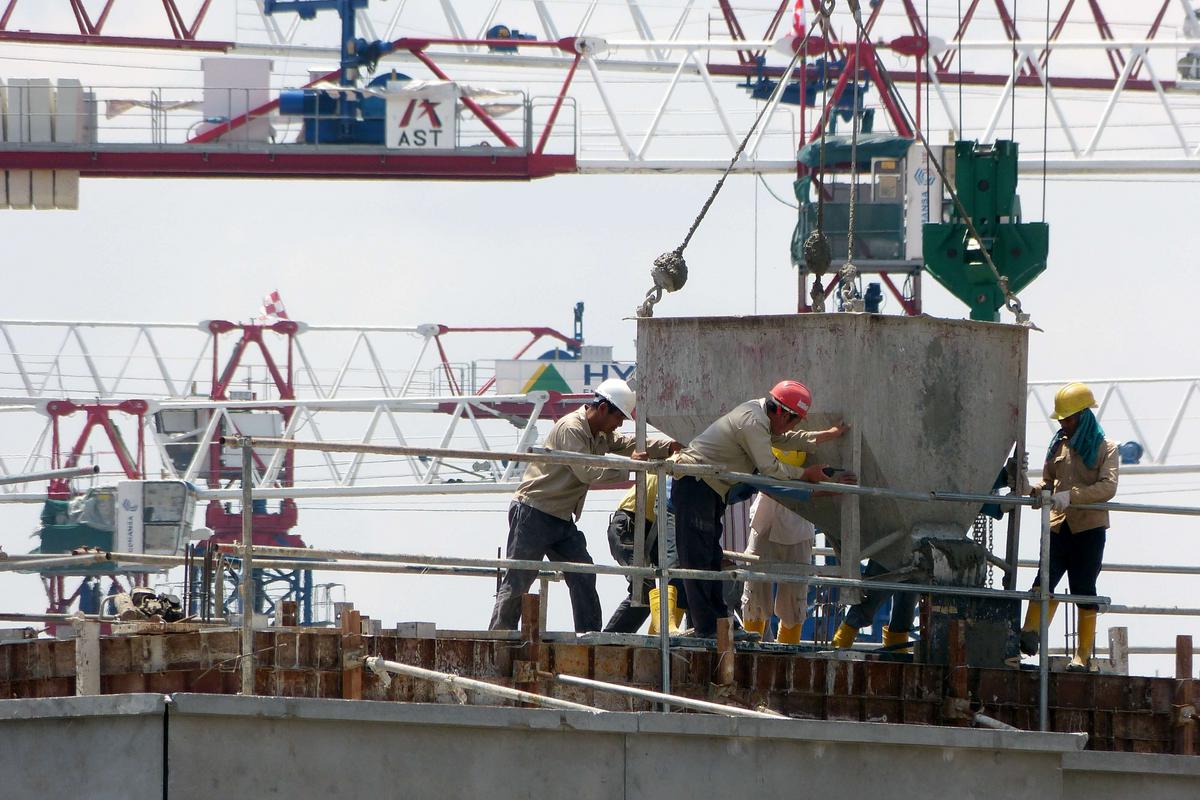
1071,399
793,458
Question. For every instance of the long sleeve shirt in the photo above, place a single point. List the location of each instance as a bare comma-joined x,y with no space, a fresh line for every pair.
741,441
1065,471
560,489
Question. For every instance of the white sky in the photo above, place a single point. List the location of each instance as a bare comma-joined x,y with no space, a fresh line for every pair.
1116,300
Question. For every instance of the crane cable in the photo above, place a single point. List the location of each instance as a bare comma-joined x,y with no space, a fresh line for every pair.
851,299
1011,302
669,272
818,255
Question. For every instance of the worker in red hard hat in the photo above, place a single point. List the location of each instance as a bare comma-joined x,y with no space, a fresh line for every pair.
543,512
740,441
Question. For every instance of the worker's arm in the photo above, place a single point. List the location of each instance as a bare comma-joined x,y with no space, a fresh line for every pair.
1105,487
659,448
817,437
757,442
574,442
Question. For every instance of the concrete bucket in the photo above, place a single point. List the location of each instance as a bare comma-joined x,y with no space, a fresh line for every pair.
935,404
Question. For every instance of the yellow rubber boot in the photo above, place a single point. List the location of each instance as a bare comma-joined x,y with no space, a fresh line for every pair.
655,611
758,626
844,637
1031,629
676,617
1083,645
895,638
789,634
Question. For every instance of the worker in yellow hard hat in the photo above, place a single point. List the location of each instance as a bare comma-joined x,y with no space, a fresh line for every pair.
628,618
1081,468
778,534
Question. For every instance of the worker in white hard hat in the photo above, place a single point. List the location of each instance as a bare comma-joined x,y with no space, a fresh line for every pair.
740,441
1081,467
549,501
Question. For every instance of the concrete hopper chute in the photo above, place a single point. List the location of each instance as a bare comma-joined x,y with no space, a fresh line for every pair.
935,404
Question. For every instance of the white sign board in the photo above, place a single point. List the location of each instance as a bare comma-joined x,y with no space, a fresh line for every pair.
924,201
130,517
425,118
565,376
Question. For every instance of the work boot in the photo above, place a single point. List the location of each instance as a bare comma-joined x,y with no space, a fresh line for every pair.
655,610
789,634
1031,630
844,637
1083,645
893,640
758,626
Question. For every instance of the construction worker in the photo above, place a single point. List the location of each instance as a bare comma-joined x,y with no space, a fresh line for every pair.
628,618
861,615
543,512
778,534
1081,467
740,441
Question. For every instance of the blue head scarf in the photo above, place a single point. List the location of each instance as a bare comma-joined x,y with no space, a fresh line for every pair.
1085,441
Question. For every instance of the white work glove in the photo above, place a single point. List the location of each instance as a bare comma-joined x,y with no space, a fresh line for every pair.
1060,500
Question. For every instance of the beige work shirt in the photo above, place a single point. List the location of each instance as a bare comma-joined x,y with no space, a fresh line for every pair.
560,489
1066,471
741,441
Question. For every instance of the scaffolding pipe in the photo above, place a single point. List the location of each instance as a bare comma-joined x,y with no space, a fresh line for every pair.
38,564
378,665
1044,619
282,554
542,455
50,474
984,721
662,697
246,584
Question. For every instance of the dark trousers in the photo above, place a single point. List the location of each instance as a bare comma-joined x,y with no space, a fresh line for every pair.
904,605
628,618
698,512
1079,555
532,536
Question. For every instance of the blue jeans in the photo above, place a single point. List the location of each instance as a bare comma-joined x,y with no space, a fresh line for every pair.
904,605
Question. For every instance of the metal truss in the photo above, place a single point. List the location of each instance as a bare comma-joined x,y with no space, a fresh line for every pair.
660,101
166,360
357,383
1137,409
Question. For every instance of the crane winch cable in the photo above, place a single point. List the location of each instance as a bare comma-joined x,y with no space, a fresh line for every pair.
848,292
669,272
818,255
1011,302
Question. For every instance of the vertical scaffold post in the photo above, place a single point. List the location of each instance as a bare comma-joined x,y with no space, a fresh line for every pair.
639,511
247,577
1044,623
665,529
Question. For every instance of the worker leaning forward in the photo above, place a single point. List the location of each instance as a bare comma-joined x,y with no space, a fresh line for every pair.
740,441
1081,467
542,515
621,542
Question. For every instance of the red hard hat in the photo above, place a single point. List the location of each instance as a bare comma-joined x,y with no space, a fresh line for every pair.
792,395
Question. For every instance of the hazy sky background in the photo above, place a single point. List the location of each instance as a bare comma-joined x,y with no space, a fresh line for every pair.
1116,301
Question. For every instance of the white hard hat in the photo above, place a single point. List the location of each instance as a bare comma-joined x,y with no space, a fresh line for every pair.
618,393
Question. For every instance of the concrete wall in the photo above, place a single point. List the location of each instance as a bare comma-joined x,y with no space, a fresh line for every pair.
221,746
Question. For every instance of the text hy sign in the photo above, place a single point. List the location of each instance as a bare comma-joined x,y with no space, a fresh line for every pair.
424,118
565,377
